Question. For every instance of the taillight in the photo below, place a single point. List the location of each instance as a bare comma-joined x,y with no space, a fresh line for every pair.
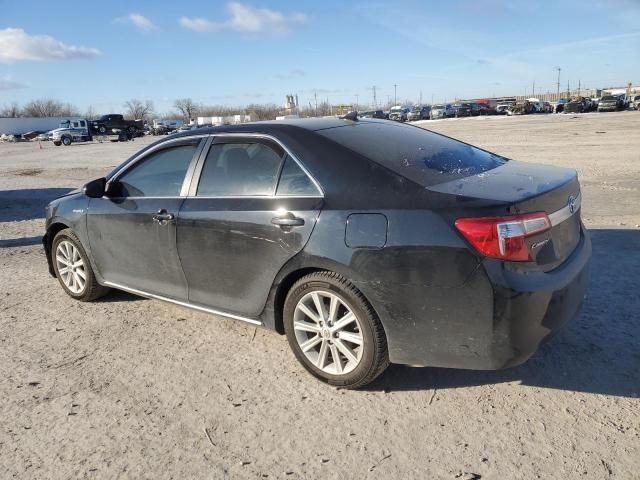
503,237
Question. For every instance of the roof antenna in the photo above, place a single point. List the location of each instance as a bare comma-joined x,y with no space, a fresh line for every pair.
352,115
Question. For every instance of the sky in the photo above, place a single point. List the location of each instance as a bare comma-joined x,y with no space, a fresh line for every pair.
240,52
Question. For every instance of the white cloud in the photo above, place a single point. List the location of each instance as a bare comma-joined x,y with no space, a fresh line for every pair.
199,24
246,19
137,20
8,83
16,45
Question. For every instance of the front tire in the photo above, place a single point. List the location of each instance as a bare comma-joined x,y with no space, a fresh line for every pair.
73,268
333,331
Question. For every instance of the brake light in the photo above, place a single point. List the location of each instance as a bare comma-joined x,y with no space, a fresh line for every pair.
503,237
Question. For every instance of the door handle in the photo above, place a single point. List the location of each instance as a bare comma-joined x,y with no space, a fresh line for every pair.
162,217
287,219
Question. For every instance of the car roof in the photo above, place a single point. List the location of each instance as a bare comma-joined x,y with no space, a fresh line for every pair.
275,126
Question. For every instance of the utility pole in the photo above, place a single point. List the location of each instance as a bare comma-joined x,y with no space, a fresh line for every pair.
533,94
356,101
375,101
315,96
395,93
578,87
568,91
420,97
558,68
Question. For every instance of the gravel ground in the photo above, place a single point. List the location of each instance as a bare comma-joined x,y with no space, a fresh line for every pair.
133,388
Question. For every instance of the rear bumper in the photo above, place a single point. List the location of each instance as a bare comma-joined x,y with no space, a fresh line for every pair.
530,307
497,319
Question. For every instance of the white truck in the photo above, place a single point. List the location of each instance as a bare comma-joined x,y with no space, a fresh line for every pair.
78,130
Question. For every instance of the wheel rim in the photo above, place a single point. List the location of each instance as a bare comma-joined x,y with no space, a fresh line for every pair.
328,332
71,267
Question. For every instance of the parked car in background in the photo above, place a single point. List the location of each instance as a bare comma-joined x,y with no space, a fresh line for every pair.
577,105
419,112
485,109
503,108
30,136
263,223
536,105
443,110
522,107
462,109
374,114
114,121
559,108
399,113
636,102
611,103
547,108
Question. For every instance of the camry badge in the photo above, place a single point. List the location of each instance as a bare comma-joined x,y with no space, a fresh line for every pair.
572,203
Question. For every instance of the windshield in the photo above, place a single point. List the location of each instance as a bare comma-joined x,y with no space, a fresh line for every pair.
415,153
438,106
608,98
65,124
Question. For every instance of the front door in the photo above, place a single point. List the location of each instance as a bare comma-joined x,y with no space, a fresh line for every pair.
251,208
132,231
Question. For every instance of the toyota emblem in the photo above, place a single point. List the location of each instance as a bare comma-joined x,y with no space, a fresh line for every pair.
572,203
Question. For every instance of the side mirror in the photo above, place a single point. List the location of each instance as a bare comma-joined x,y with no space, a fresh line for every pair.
95,188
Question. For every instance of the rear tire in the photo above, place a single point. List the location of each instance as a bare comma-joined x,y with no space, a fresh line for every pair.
73,268
327,319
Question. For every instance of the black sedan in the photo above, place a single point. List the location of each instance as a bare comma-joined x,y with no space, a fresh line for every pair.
364,241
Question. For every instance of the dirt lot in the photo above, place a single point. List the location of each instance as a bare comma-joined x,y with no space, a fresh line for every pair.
134,388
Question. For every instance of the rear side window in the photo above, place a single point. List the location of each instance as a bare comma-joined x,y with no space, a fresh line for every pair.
293,180
159,175
240,169
415,153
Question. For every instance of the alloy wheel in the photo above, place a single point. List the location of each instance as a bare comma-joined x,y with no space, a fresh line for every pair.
328,332
71,267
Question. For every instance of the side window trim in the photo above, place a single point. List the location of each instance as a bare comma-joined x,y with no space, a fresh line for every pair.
219,138
166,146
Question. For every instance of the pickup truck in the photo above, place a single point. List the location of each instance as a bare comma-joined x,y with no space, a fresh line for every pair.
113,121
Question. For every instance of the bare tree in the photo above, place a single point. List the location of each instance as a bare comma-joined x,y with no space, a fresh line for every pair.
262,112
90,113
186,107
47,107
12,110
138,110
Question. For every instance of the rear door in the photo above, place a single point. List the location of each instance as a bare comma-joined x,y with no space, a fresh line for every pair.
251,207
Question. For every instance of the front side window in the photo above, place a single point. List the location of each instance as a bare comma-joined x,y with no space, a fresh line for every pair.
158,175
240,169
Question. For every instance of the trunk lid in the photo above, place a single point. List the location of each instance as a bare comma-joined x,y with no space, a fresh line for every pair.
528,188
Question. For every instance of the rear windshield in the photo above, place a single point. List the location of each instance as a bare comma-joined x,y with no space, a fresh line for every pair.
415,153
